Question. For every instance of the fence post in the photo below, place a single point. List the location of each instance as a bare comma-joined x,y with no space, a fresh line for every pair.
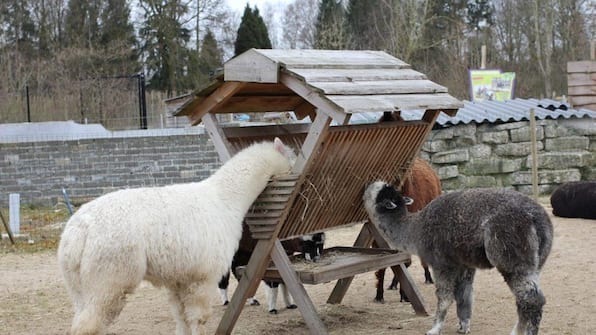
14,206
28,105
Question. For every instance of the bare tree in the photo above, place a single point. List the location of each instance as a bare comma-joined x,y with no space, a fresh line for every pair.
298,24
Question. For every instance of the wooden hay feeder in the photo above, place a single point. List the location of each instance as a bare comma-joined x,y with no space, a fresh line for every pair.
336,159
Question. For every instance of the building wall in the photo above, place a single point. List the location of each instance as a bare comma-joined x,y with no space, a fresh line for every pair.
464,156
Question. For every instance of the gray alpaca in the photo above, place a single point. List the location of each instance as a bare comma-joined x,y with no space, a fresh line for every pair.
460,232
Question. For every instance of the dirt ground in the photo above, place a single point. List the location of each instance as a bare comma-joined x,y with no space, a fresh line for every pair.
33,300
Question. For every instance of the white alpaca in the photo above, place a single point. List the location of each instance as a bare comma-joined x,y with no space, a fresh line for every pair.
182,237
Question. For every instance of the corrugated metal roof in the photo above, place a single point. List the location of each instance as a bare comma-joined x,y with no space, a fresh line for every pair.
507,111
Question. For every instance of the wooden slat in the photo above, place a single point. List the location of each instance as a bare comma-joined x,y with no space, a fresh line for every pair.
330,59
380,103
380,87
581,100
255,104
217,98
582,90
582,66
351,157
352,75
314,98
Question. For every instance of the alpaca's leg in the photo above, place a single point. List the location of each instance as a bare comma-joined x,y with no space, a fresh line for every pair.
428,278
529,300
380,275
223,288
177,308
196,307
272,289
287,297
464,297
102,297
445,286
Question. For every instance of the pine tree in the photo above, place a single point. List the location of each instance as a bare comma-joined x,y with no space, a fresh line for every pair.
210,58
163,41
252,32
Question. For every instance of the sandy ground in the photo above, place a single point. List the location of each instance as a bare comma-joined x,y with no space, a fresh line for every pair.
34,301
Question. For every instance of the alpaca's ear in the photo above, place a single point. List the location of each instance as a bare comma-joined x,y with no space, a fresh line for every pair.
388,204
408,201
279,146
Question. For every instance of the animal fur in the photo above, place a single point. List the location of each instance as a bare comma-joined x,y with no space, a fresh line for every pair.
460,232
423,185
181,237
575,200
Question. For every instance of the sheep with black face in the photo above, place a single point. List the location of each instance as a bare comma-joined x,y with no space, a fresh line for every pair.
460,232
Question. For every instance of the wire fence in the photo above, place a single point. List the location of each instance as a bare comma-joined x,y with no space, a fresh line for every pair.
116,103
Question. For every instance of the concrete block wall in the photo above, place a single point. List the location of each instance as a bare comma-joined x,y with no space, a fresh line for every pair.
88,168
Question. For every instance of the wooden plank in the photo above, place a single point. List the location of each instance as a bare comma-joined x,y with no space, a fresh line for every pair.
579,79
582,90
313,97
316,134
352,75
256,104
267,131
581,66
591,107
251,66
380,87
582,100
247,285
222,146
364,240
216,99
405,280
305,109
332,59
381,103
296,289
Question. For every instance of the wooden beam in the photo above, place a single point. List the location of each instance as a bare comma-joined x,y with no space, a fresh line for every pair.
405,280
313,97
296,288
222,146
216,99
247,285
364,240
256,104
316,134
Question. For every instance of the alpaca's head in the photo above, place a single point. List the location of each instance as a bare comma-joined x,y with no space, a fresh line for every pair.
287,153
383,202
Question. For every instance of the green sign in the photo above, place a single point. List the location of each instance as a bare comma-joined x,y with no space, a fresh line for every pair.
491,85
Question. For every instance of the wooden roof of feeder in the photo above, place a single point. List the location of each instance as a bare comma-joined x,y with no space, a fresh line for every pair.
335,161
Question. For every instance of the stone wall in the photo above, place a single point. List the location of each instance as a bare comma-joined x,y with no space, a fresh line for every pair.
490,155
464,156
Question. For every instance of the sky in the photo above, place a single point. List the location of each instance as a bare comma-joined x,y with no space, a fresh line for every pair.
239,5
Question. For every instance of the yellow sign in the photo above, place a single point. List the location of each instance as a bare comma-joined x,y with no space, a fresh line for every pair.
491,85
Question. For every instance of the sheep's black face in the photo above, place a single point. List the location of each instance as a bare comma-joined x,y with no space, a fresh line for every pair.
381,199
312,246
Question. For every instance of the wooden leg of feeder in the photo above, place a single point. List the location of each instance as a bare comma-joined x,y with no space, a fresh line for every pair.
296,289
247,286
411,290
364,240
403,275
